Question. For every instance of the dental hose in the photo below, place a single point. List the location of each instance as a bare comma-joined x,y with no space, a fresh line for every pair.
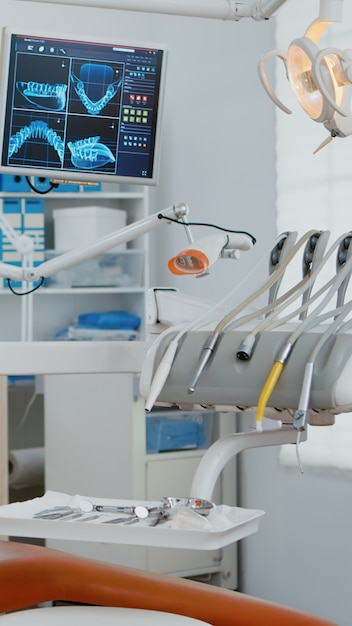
211,344
278,367
161,374
301,414
270,322
209,348
266,285
309,322
245,350
167,359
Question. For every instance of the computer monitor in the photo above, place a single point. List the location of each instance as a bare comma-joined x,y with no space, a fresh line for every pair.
80,110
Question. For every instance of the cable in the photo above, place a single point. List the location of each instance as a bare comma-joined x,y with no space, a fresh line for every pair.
40,191
25,293
208,225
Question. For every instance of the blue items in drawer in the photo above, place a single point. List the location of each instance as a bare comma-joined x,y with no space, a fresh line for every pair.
166,434
110,320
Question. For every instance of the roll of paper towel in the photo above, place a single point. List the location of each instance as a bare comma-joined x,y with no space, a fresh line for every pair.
26,468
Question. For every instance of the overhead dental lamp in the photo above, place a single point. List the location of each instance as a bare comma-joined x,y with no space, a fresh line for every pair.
320,78
198,258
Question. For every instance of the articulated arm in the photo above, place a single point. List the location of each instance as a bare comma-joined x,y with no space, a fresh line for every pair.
216,9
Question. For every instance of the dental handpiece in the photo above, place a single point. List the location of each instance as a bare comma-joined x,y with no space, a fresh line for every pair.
207,353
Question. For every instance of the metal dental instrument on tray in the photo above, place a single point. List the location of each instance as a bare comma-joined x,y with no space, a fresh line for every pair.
129,514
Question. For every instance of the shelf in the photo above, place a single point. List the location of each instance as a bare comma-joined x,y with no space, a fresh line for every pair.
122,283
183,530
174,454
71,357
73,291
111,195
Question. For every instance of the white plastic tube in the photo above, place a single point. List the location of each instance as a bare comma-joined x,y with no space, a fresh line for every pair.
331,10
218,9
266,8
221,9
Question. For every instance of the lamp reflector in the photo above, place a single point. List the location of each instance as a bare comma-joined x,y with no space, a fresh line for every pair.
197,259
188,262
299,65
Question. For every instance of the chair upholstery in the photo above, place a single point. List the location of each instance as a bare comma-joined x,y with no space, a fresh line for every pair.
30,575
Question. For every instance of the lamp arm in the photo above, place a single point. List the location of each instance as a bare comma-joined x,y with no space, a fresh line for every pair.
23,244
331,10
265,9
8,230
20,241
73,257
218,9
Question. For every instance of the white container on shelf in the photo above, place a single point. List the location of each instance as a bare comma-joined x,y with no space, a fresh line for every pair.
81,226
122,269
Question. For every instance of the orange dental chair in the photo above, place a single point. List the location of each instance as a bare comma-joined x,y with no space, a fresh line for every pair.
32,575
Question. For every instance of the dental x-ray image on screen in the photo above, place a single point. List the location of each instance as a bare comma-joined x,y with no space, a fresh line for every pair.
78,110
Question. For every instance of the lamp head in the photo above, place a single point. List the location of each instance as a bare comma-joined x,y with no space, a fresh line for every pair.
202,254
299,63
320,79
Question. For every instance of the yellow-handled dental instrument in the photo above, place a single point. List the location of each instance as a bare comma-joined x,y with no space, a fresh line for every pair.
270,384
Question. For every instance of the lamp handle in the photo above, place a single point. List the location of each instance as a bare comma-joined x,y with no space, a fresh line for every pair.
319,79
281,54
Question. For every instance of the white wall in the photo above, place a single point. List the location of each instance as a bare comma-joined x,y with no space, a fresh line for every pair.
218,150
302,554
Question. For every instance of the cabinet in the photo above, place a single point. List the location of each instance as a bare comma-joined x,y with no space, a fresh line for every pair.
95,438
94,424
53,308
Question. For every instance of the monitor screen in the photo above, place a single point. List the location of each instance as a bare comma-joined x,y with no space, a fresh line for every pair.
80,110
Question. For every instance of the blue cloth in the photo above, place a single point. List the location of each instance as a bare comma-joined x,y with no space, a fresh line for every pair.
109,320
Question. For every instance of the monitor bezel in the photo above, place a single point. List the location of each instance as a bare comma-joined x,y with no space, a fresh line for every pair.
63,175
